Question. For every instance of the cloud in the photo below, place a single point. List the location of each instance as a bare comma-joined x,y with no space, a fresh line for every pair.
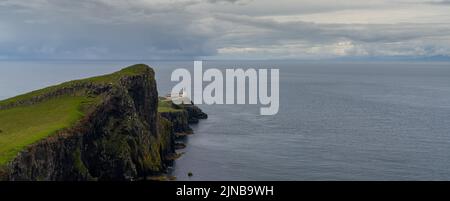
357,32
176,29
439,2
306,39
241,2
102,29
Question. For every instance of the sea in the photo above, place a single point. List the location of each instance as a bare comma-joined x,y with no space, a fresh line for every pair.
337,120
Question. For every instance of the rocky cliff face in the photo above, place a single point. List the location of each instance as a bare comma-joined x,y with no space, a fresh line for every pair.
122,138
183,116
194,114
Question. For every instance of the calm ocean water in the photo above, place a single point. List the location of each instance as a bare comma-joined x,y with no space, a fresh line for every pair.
337,121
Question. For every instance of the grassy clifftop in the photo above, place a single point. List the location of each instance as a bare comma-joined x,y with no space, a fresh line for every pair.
21,126
166,105
24,124
99,80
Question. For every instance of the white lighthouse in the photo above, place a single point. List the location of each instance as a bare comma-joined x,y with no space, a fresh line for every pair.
183,93
181,97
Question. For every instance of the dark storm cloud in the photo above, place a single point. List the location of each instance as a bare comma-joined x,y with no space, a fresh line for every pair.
98,29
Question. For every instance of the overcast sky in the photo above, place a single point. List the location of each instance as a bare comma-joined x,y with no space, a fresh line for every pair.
223,29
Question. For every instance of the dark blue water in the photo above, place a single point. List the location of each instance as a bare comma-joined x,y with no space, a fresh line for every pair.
337,121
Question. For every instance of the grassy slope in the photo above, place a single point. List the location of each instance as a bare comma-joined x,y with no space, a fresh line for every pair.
24,125
104,79
166,106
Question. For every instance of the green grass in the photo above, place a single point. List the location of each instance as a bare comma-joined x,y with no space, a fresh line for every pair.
25,125
104,79
166,106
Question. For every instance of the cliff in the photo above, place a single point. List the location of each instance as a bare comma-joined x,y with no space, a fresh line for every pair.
180,115
117,133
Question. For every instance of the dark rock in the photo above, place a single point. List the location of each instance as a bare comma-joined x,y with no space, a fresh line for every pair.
194,113
123,138
179,120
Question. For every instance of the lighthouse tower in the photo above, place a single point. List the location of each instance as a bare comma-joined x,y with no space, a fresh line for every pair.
183,93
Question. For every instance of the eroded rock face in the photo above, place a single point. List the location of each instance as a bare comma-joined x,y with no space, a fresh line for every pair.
195,113
183,116
179,120
121,139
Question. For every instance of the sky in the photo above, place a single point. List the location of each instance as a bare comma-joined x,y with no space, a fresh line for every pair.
223,29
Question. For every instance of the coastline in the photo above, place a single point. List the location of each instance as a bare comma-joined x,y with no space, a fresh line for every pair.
120,132
181,118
